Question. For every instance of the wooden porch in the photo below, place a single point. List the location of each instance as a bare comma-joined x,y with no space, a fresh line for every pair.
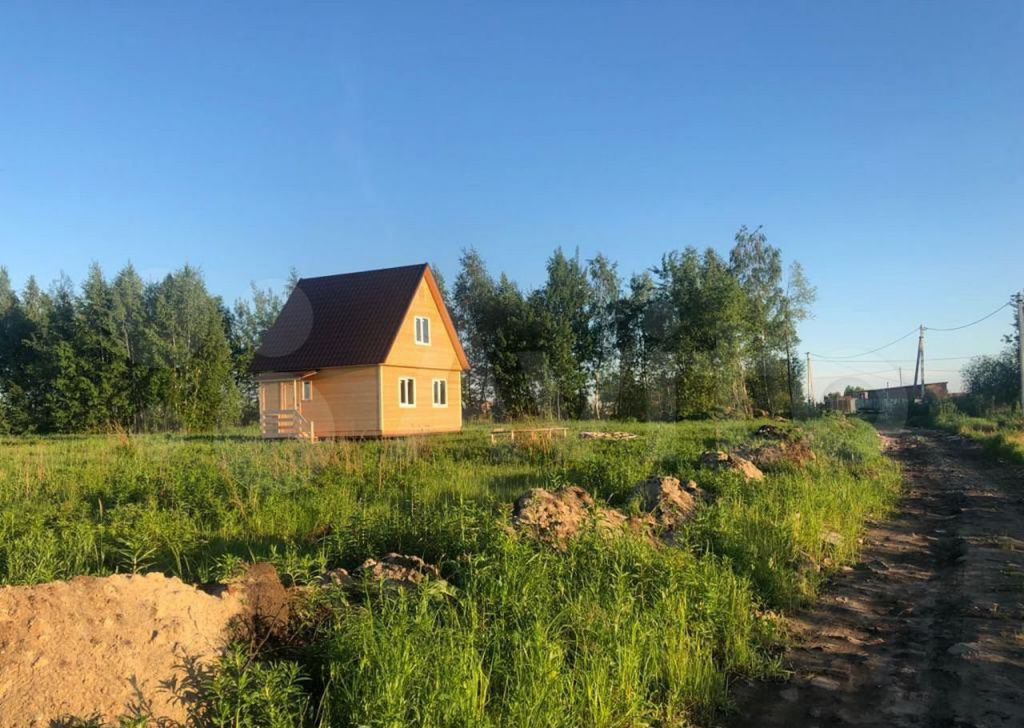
287,424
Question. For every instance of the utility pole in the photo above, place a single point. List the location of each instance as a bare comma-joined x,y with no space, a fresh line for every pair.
1020,345
810,382
901,376
921,345
919,364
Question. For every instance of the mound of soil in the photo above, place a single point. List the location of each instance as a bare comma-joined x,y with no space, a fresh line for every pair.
718,460
767,457
556,517
668,501
102,648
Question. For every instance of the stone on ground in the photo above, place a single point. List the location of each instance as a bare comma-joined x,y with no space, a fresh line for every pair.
718,461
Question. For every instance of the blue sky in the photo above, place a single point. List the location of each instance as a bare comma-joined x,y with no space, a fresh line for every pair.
880,144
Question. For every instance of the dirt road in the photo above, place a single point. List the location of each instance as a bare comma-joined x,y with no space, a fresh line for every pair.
928,630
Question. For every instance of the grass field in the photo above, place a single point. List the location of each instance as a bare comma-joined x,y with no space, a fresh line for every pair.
612,632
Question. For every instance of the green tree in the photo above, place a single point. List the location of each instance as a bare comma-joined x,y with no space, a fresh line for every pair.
194,384
472,303
633,343
563,308
605,291
706,335
515,358
250,320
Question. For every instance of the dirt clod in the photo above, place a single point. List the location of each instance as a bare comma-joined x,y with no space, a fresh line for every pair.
718,460
667,500
398,571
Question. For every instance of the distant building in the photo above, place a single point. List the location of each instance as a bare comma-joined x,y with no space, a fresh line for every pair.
910,392
892,399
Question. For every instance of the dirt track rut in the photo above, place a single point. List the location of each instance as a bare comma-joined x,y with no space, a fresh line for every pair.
928,630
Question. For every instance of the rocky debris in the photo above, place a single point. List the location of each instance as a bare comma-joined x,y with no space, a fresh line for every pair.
337,577
393,571
670,502
832,538
718,461
556,517
617,436
398,570
102,647
771,432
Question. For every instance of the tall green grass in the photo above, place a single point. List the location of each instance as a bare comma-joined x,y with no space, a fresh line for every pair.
1002,436
611,632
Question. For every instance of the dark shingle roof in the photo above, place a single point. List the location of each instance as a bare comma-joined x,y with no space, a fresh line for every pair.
342,320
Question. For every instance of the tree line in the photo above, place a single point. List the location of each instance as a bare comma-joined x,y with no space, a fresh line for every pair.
125,354
695,335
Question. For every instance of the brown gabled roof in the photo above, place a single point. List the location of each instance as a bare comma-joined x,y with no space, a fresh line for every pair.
343,320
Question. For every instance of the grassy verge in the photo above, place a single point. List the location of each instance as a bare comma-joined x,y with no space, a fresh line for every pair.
612,632
1003,437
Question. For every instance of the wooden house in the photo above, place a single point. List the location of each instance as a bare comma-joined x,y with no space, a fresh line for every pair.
369,354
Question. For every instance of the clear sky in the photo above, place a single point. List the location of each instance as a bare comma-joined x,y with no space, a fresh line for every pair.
879,143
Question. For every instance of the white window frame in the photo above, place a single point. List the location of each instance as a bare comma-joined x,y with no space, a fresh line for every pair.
422,333
307,384
434,389
403,391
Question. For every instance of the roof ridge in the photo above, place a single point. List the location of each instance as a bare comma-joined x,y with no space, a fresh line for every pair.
361,272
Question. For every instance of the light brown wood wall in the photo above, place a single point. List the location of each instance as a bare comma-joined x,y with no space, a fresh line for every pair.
440,353
424,417
344,402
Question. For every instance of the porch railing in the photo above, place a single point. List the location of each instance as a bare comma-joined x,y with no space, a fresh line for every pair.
287,423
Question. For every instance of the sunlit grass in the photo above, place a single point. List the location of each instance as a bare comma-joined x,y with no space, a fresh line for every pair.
610,633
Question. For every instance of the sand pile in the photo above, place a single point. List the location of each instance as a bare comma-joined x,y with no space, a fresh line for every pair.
108,647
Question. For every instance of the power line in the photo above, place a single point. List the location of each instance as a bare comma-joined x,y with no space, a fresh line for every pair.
865,353
916,329
957,328
890,361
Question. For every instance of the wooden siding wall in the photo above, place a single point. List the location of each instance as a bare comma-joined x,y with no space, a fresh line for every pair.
344,402
424,417
439,354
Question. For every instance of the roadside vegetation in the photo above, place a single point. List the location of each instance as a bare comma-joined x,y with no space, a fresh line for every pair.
1002,434
609,632
989,410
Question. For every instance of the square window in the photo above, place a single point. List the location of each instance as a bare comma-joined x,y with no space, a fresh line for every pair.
307,390
407,392
422,330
